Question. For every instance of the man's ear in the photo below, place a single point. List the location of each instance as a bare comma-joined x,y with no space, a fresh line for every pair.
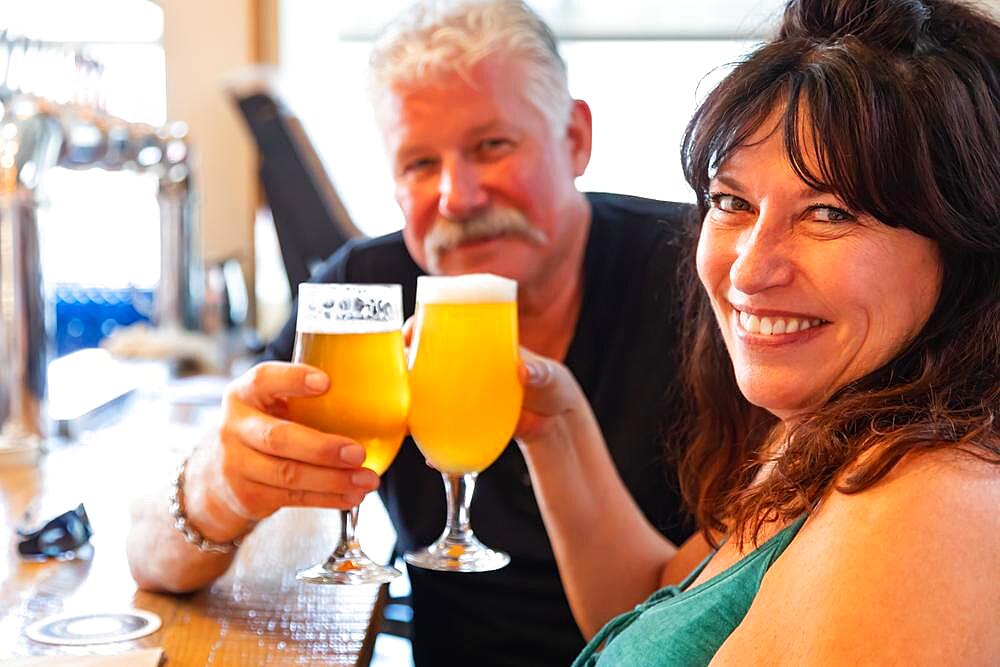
579,134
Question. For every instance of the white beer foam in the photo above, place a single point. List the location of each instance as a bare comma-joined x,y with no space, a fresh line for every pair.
468,288
341,308
314,326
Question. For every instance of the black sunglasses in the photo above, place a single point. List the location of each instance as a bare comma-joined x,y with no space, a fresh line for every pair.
60,537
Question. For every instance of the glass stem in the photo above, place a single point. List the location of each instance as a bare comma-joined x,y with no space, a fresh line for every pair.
348,522
459,489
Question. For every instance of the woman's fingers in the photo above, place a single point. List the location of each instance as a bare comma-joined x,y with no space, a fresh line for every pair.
549,388
408,331
408,337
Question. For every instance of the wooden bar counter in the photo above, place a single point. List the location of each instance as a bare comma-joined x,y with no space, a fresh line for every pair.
254,615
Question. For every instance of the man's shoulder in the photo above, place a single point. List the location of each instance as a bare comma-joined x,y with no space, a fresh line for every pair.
629,230
371,259
632,210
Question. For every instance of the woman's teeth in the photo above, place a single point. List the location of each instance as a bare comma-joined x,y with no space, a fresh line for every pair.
772,326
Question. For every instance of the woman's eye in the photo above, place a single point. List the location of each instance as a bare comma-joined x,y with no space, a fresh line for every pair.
831,214
728,203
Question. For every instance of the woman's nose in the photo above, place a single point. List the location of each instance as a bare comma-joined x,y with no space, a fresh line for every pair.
764,255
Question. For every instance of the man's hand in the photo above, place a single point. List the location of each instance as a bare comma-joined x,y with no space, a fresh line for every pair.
261,462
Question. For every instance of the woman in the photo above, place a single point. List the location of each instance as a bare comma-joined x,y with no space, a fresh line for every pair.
843,366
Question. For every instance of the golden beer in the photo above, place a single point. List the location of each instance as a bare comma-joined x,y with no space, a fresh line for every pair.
353,334
369,396
464,374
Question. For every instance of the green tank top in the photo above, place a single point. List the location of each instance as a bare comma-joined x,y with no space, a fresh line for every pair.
678,626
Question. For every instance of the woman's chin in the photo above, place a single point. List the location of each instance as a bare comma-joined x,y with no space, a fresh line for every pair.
779,401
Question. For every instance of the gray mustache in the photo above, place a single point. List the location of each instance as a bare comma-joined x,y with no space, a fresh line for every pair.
446,234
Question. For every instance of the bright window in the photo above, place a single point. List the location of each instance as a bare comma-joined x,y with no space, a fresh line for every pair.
641,68
99,228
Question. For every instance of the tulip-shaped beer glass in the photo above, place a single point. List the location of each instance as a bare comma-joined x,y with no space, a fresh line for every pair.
353,334
466,400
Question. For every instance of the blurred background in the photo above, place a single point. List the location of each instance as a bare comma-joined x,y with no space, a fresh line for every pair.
180,164
641,64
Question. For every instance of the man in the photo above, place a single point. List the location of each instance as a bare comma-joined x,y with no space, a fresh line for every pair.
485,143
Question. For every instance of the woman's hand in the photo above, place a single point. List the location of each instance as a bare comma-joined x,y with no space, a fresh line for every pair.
554,404
598,534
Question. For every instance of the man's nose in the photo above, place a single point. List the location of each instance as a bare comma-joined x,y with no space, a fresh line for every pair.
764,254
460,191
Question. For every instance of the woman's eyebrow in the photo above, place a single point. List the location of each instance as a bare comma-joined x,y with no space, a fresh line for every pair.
805,192
728,181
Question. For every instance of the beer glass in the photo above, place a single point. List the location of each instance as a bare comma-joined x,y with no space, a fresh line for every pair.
466,400
353,334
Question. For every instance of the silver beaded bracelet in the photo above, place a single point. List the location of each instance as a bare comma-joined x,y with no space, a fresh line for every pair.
182,524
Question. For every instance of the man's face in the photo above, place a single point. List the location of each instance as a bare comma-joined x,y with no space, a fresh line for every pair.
484,182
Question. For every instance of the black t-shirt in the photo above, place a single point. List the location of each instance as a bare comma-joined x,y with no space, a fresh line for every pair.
623,356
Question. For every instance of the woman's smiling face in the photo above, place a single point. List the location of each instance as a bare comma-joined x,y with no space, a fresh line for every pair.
809,295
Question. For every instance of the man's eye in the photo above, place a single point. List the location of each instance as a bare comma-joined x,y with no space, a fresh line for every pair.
418,166
728,203
494,144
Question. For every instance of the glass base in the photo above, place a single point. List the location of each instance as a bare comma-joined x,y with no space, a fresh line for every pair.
351,568
458,554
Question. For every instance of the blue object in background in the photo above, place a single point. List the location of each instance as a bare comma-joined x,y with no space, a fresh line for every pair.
85,315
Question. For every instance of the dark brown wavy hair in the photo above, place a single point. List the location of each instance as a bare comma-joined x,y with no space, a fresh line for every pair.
900,101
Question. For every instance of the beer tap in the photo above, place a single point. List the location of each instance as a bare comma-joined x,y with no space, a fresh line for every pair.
37,134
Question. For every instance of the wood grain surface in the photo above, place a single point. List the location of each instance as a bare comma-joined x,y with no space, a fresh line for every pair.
257,614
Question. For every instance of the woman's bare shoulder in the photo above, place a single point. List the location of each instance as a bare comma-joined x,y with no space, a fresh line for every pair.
920,547
939,479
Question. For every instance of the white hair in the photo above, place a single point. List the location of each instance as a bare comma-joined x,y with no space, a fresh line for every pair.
435,38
